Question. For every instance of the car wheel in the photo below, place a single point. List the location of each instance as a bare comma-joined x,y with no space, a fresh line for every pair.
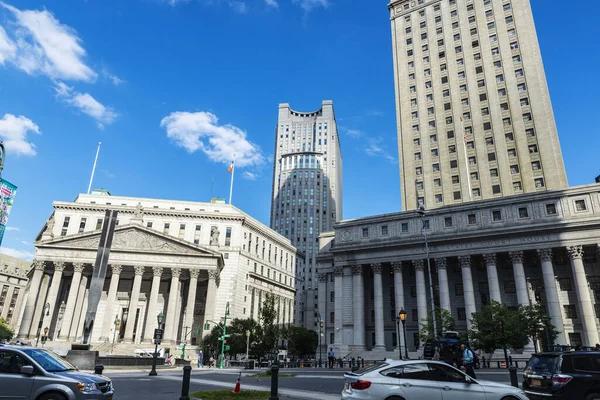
398,398
510,398
593,396
52,396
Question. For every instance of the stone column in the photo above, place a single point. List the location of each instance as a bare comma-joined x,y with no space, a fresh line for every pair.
71,300
59,267
170,332
520,279
378,288
358,303
338,274
133,305
399,298
586,308
421,292
34,288
468,291
441,266
78,308
191,299
111,298
40,307
492,273
153,308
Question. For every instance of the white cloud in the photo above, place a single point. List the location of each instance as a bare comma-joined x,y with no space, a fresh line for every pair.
44,45
250,176
13,131
25,255
375,113
85,103
272,3
239,7
308,5
354,133
26,243
12,228
376,149
115,80
8,48
201,131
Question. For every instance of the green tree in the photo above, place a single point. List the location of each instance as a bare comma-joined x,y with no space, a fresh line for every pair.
269,337
444,322
302,342
211,344
538,325
498,327
237,330
5,331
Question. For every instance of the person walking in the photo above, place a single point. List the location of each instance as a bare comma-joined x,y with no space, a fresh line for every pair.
331,357
200,359
468,361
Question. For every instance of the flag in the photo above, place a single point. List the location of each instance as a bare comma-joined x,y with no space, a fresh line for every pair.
230,169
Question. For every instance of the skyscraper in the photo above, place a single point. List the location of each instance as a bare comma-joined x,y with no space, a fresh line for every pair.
474,115
307,191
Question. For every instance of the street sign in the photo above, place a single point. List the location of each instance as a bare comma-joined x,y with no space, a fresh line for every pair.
158,334
227,348
227,335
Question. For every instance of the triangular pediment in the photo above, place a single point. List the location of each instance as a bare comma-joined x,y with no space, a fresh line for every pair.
131,238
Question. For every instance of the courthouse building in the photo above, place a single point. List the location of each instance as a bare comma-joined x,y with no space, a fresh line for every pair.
186,259
13,284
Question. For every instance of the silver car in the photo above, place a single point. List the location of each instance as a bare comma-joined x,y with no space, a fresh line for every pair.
37,374
422,380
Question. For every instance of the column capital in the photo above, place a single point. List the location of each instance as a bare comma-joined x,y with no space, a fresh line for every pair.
116,269
322,277
157,271
376,268
490,258
545,254
39,265
357,270
78,267
59,266
418,264
465,261
516,257
397,266
575,252
194,273
441,263
213,274
338,271
139,270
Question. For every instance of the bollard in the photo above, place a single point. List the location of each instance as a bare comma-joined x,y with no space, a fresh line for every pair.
98,369
514,381
274,382
510,362
185,386
498,364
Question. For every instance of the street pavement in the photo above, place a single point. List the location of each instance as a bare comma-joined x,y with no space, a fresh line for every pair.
327,384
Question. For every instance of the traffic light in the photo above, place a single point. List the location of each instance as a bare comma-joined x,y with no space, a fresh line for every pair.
198,331
206,326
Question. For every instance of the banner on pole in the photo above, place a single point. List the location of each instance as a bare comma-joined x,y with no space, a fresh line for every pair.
7,197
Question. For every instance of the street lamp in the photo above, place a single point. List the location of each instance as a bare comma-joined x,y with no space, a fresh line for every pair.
159,318
398,336
421,212
45,312
45,337
247,346
321,324
402,316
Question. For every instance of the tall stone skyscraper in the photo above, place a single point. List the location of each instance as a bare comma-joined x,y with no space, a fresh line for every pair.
307,192
473,109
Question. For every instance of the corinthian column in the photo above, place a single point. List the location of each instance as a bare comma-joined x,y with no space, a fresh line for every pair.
71,301
421,292
552,300
520,279
338,273
211,293
441,266
170,331
587,315
378,288
468,291
358,303
191,298
111,298
34,288
492,272
153,309
59,267
133,305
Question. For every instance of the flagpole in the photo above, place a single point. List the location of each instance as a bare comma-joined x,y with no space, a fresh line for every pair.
232,174
462,126
94,168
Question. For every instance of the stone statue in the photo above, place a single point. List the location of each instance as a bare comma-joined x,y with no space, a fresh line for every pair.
214,236
50,227
139,211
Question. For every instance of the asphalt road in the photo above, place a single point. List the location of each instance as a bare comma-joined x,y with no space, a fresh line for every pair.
167,385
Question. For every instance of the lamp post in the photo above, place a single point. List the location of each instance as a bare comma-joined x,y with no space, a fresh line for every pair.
159,318
398,336
402,316
45,312
321,324
546,320
45,337
247,344
421,212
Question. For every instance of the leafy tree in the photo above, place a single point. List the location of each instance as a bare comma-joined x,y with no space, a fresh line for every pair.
538,325
237,330
444,322
211,346
302,342
498,327
270,331
5,331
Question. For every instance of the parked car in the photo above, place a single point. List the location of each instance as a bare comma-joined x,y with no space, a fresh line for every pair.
31,373
567,375
422,380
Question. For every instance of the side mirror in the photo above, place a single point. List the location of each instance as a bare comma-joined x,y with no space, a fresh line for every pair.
27,370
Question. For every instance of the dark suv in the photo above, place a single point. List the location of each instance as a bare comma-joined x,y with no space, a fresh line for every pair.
570,375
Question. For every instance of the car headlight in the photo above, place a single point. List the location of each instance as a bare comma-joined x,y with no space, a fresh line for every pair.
86,387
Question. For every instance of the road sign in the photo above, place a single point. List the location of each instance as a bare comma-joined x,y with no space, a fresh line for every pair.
227,335
158,334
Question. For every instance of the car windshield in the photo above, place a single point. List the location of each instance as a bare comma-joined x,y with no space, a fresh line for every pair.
543,363
49,361
370,368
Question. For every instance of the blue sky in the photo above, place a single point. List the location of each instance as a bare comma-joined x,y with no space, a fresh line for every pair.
173,87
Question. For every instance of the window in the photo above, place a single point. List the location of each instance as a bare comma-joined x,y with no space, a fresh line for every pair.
496,215
404,227
461,313
523,212
509,287
455,179
524,103
419,171
166,228
82,225
444,79
11,363
539,182
438,198
448,222
535,165
415,128
436,167
551,209
474,176
99,222
429,97
434,153
228,237
491,157
417,142
419,185
446,93
570,311
463,88
409,53
506,122
365,232
487,126
472,160
489,141
565,284
384,230
472,219
496,189
452,149
584,363
526,116
580,205
510,138
148,224
457,195
519,73
450,134
522,87
476,192
430,110
495,51
514,169
512,152
461,75
502,93
437,182
453,164
417,156
494,172
458,289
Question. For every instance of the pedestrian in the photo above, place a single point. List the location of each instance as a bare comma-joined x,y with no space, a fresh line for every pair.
331,357
467,360
200,359
211,362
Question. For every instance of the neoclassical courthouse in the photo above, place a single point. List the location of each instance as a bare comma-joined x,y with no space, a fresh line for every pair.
186,259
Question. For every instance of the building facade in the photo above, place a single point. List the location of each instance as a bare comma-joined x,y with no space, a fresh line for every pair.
186,259
307,190
13,286
473,109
